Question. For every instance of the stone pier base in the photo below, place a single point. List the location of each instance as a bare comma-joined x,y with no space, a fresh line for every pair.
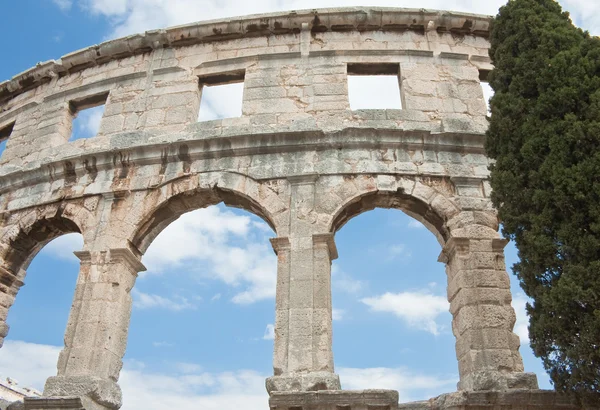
62,403
388,400
308,382
47,403
335,400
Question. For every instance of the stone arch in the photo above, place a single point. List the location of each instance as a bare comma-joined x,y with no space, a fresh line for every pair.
23,236
26,233
200,191
425,203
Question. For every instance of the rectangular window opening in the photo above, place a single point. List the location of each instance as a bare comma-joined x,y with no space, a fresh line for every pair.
221,96
374,86
4,135
87,114
488,92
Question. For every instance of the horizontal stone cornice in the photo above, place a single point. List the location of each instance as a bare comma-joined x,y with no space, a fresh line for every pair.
115,255
141,149
328,240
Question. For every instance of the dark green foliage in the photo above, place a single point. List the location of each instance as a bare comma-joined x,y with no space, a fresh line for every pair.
545,137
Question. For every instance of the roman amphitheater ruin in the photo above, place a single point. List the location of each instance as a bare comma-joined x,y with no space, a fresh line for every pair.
298,157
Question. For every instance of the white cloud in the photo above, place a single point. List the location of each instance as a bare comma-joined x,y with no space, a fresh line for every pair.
337,314
108,8
215,297
222,101
414,224
411,386
190,387
418,309
397,251
187,368
269,332
87,123
149,301
28,363
135,16
64,5
64,246
374,92
584,13
521,325
488,92
340,280
218,245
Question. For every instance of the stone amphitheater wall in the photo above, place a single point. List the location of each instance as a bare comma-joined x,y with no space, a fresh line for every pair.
298,157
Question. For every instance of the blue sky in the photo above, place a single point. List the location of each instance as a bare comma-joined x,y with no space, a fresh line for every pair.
203,313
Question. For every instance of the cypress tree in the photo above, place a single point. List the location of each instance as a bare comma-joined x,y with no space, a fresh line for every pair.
544,135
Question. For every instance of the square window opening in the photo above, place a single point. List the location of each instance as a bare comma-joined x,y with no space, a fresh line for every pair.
4,135
221,96
87,116
374,86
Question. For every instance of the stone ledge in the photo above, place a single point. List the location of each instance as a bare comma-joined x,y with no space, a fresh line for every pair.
388,400
308,382
335,400
505,400
147,147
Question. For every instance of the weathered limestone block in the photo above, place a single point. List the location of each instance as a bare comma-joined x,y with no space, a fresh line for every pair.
9,287
483,318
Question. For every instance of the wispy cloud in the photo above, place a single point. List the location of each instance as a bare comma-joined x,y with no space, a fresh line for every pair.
188,386
64,5
414,224
522,323
410,385
337,314
87,123
418,309
222,101
64,246
398,251
269,332
342,281
149,301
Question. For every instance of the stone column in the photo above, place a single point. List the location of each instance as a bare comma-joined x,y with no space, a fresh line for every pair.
482,316
303,358
9,287
96,335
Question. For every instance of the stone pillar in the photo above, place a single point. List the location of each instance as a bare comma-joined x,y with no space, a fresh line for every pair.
9,287
303,358
482,316
96,335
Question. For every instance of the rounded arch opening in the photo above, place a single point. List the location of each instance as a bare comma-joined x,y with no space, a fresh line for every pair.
391,321
26,244
177,205
40,256
210,289
406,203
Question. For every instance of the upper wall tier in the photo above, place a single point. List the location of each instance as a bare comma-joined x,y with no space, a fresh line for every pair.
294,67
